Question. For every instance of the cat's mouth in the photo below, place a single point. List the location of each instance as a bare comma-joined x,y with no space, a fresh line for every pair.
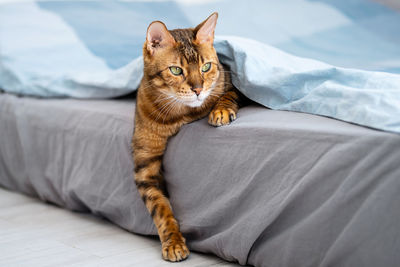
196,100
194,103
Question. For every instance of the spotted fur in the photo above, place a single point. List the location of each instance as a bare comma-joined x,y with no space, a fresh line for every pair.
165,102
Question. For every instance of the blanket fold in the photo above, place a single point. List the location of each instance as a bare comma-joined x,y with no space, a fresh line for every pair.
80,49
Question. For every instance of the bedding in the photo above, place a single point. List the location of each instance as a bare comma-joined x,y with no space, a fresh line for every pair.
92,50
274,188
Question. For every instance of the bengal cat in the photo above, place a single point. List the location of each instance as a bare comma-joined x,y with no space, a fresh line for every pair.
183,81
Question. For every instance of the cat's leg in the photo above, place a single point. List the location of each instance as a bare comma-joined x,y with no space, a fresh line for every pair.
226,108
148,154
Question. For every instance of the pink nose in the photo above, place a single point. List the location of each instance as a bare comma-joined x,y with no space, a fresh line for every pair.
197,90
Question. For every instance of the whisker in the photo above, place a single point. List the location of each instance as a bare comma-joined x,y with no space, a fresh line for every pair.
172,106
163,108
166,98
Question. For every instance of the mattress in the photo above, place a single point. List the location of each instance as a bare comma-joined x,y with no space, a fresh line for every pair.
274,188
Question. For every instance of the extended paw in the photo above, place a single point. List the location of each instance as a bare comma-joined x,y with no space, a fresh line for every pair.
175,249
221,116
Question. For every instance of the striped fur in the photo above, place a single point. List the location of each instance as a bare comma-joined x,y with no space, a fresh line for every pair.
162,108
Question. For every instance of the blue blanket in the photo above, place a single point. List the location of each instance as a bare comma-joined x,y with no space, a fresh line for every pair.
92,50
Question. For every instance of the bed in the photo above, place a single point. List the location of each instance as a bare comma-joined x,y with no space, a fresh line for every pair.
280,186
274,188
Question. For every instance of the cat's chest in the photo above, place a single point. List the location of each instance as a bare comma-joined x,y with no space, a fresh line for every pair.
198,114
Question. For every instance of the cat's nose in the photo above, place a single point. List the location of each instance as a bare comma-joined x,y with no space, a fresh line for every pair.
196,90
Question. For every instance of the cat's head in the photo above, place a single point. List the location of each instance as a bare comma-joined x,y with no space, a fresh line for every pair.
182,64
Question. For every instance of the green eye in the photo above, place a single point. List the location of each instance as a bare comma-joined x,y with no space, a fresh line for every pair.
206,67
175,70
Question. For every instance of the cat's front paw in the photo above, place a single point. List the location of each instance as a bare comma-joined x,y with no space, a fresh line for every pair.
175,249
221,116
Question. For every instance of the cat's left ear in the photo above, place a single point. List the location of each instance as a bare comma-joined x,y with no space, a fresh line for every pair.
205,30
158,37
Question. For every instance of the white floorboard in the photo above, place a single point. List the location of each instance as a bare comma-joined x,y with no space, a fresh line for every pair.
33,233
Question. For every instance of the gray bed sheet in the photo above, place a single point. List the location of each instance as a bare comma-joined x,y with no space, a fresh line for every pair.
273,188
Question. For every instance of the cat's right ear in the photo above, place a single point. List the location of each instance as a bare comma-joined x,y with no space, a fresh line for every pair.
205,30
158,37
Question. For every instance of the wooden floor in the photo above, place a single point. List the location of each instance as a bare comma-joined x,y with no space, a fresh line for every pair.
33,233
